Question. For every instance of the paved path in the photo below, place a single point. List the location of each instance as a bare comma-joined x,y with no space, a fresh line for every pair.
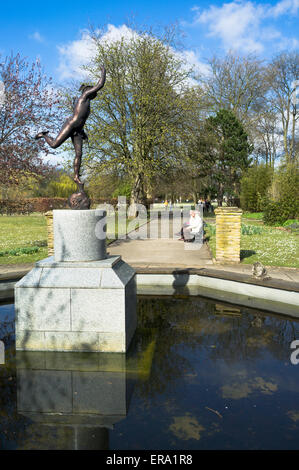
165,254
158,245
148,255
151,253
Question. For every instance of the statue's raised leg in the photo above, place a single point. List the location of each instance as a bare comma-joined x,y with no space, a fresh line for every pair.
63,135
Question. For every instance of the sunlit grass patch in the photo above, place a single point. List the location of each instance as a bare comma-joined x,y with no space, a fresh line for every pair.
23,239
270,246
253,215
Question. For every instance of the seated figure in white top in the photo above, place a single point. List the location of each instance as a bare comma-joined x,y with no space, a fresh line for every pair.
190,228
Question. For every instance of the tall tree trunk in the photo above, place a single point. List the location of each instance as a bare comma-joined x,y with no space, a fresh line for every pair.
220,195
137,195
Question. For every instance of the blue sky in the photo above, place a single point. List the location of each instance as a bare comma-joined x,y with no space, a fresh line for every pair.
56,31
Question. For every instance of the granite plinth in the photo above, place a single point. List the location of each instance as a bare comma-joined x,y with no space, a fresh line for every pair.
76,306
79,235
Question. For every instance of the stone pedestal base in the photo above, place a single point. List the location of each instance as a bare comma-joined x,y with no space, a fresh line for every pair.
76,306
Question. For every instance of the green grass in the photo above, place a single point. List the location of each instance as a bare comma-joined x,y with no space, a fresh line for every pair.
253,215
18,234
289,222
23,238
270,246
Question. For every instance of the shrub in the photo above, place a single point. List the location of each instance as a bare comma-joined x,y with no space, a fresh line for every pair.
287,204
20,251
251,230
100,201
278,212
124,189
211,228
254,187
245,229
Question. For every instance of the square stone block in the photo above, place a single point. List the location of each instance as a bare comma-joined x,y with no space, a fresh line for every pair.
72,277
76,306
71,341
43,309
98,310
27,340
45,391
100,393
113,342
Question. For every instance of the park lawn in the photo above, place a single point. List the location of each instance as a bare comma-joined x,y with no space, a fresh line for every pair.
272,247
23,231
253,215
29,231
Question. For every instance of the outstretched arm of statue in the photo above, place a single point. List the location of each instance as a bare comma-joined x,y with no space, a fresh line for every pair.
98,86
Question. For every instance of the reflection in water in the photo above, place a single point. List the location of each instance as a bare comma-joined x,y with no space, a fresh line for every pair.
199,375
81,395
242,389
186,427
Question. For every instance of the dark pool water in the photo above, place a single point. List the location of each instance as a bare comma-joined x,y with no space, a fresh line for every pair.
199,375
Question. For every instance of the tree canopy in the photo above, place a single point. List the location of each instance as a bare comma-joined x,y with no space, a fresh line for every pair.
137,118
27,104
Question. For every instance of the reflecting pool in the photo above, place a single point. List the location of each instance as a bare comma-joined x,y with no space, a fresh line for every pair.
199,374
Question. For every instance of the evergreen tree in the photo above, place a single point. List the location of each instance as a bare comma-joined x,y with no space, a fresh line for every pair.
225,143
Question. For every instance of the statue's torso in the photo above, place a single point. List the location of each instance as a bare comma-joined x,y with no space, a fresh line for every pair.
81,111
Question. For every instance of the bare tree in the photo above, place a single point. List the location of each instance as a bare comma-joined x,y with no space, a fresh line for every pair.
266,135
282,73
27,104
236,83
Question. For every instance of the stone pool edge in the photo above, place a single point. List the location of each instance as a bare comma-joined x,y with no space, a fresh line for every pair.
273,295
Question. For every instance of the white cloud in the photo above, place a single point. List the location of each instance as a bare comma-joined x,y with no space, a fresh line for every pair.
79,52
37,37
236,24
288,44
284,7
242,24
115,33
192,59
74,54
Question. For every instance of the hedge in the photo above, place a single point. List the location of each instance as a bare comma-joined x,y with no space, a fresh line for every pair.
45,204
30,205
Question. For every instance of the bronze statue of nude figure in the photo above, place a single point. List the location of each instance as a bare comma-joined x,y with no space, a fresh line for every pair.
73,127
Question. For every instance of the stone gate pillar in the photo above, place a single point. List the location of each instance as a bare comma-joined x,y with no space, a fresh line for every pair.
228,234
49,218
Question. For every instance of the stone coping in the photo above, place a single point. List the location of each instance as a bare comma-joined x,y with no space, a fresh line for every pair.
225,210
274,283
49,262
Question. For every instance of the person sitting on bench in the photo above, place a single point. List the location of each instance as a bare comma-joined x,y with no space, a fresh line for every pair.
190,228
